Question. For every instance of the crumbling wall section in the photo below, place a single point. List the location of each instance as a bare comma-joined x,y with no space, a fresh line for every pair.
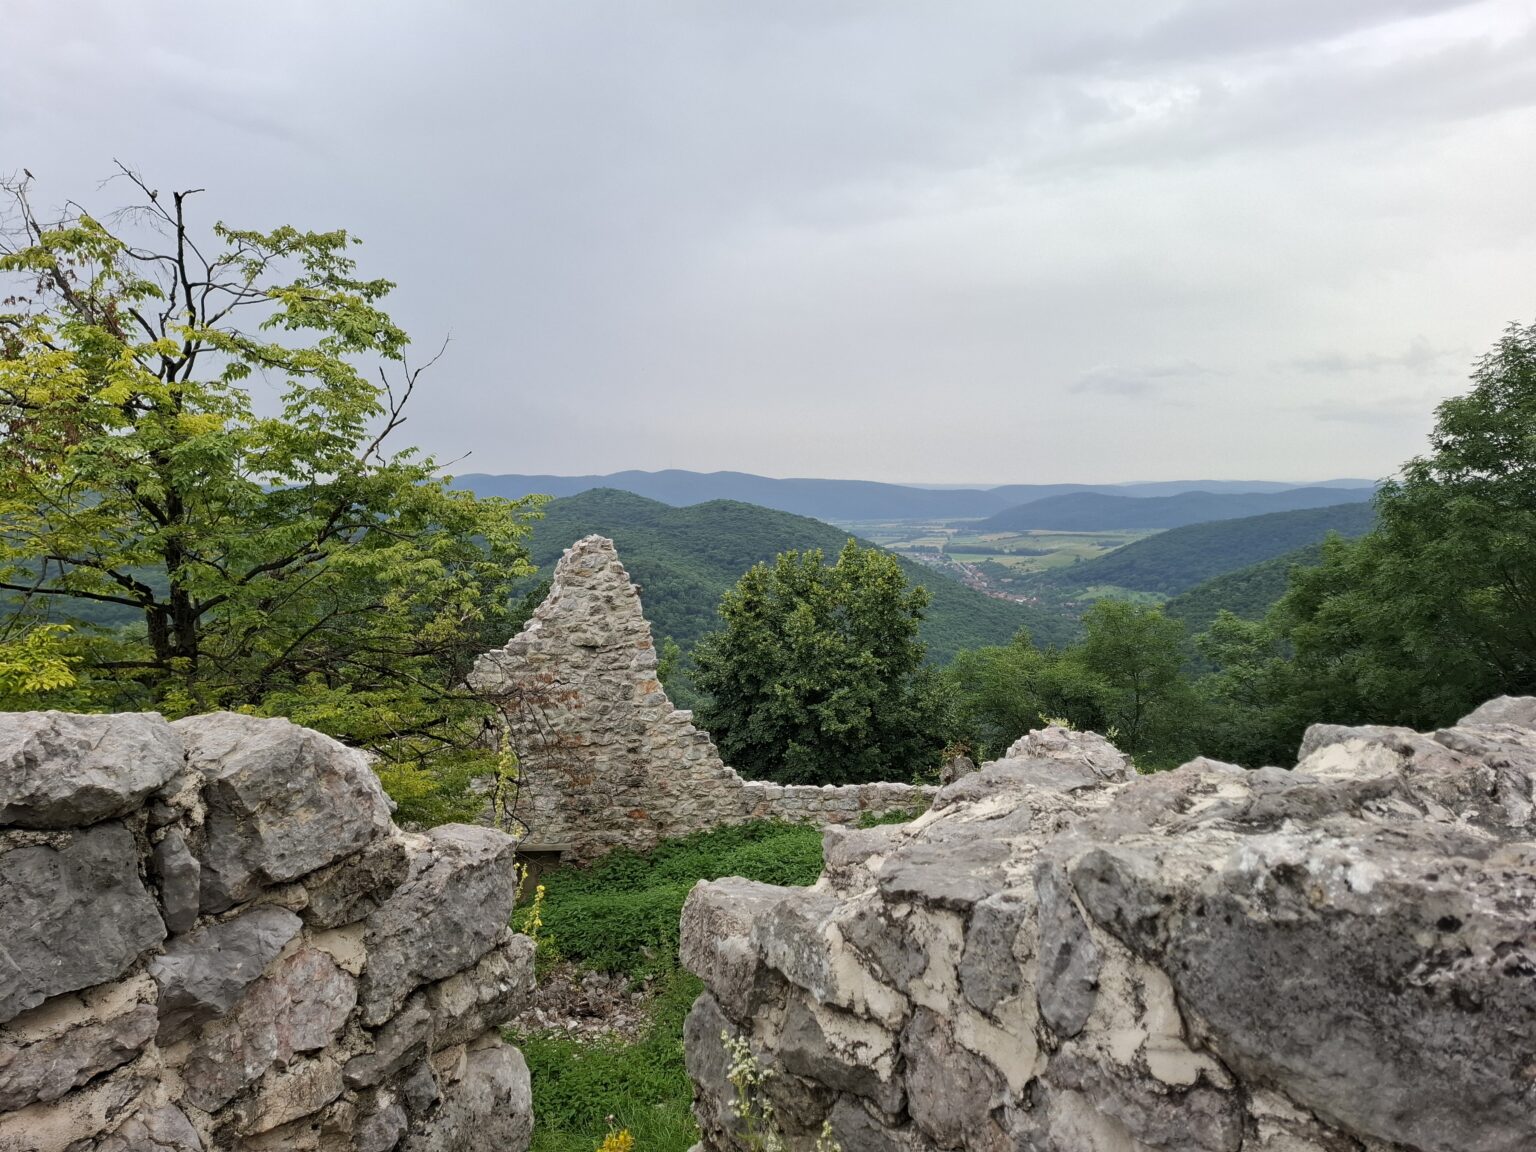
214,938
606,760
1061,956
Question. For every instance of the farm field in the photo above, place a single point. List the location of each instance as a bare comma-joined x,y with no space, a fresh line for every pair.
1021,552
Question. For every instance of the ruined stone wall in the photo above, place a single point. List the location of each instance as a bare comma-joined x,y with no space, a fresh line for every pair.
605,759
212,937
1063,957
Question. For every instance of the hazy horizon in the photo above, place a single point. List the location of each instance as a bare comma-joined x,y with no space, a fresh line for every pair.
868,241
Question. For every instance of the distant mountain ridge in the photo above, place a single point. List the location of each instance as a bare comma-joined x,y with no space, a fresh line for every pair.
846,500
1179,559
684,559
1096,511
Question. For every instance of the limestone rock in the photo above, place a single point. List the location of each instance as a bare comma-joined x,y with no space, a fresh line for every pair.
404,1040
352,888
61,770
203,974
75,914
178,874
298,1007
1516,711
1062,956
162,1129
443,919
486,1103
72,1040
282,801
483,997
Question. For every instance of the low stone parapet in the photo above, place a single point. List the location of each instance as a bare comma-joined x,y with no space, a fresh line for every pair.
1061,956
216,940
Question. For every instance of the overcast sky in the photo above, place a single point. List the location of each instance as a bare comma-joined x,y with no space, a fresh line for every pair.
936,242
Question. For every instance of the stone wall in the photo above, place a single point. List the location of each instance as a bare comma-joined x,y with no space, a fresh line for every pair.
215,939
605,759
1063,957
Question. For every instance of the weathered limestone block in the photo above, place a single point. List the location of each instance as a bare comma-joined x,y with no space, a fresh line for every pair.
203,974
404,1040
486,1102
298,1007
282,801
179,877
478,999
76,1119
449,913
75,913
73,1039
61,770
1062,957
352,888
162,1129
285,884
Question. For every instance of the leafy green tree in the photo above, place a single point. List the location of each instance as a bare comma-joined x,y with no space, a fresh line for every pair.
1435,611
1248,709
168,542
1137,656
817,675
1003,691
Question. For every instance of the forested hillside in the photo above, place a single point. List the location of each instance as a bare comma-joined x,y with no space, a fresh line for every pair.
1091,511
1179,559
1249,592
684,559
842,501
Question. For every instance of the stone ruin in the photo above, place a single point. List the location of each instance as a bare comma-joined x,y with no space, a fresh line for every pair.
605,759
1061,956
216,940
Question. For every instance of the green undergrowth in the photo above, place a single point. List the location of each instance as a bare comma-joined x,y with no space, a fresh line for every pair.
579,1084
621,915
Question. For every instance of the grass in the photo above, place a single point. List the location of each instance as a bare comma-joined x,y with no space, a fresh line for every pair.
621,915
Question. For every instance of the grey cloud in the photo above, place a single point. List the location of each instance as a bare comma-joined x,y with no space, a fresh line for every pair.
1114,381
1418,358
862,238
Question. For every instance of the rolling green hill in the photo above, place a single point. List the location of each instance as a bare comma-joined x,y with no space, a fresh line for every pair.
1092,511
843,501
1249,592
1179,559
684,559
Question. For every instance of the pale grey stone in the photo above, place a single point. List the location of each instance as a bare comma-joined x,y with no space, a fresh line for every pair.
61,770
1517,711
485,996
404,1040
352,888
297,1008
282,801
75,914
162,1129
178,875
203,974
448,915
1068,981
47,1068
490,1106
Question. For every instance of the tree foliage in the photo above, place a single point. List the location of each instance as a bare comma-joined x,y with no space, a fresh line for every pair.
259,547
817,674
1435,611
